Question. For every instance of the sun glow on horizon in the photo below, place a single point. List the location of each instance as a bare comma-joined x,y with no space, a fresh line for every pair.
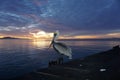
79,37
41,35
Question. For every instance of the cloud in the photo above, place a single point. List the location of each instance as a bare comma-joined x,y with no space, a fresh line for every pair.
71,18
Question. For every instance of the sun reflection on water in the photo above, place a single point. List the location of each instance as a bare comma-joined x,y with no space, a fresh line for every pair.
40,44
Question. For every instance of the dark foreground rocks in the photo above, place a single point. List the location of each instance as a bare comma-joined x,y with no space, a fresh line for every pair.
101,66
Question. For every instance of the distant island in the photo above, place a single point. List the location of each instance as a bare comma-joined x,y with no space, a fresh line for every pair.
9,38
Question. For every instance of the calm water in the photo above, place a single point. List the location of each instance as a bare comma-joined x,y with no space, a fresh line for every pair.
22,56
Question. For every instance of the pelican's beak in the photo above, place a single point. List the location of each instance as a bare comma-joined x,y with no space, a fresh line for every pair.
52,42
50,45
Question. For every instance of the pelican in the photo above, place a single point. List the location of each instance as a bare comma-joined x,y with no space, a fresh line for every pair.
61,48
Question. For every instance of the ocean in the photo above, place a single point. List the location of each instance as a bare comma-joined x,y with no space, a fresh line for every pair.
18,57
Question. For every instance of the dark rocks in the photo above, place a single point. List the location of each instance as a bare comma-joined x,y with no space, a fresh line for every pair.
116,49
101,66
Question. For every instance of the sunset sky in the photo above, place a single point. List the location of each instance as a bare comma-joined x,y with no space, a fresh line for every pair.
73,18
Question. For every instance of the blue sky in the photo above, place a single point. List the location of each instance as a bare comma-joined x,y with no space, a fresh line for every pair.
73,18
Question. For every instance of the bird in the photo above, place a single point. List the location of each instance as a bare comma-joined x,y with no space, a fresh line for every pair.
59,47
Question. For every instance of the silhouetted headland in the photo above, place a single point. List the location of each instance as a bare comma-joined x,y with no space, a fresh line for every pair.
9,38
101,66
14,38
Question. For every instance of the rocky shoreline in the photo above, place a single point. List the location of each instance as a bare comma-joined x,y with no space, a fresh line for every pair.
101,66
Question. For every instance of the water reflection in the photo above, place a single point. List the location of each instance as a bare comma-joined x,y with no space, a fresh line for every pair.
21,56
92,43
40,44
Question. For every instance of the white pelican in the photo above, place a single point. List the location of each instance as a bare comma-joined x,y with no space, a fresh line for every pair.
61,48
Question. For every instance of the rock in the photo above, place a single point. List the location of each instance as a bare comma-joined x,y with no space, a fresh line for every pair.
102,70
80,65
116,47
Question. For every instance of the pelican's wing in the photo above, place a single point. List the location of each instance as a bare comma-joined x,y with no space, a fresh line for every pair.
63,49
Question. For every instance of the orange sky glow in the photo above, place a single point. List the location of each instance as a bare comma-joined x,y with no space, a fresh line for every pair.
40,34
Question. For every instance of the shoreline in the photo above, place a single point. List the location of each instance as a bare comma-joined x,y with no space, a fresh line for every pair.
101,66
